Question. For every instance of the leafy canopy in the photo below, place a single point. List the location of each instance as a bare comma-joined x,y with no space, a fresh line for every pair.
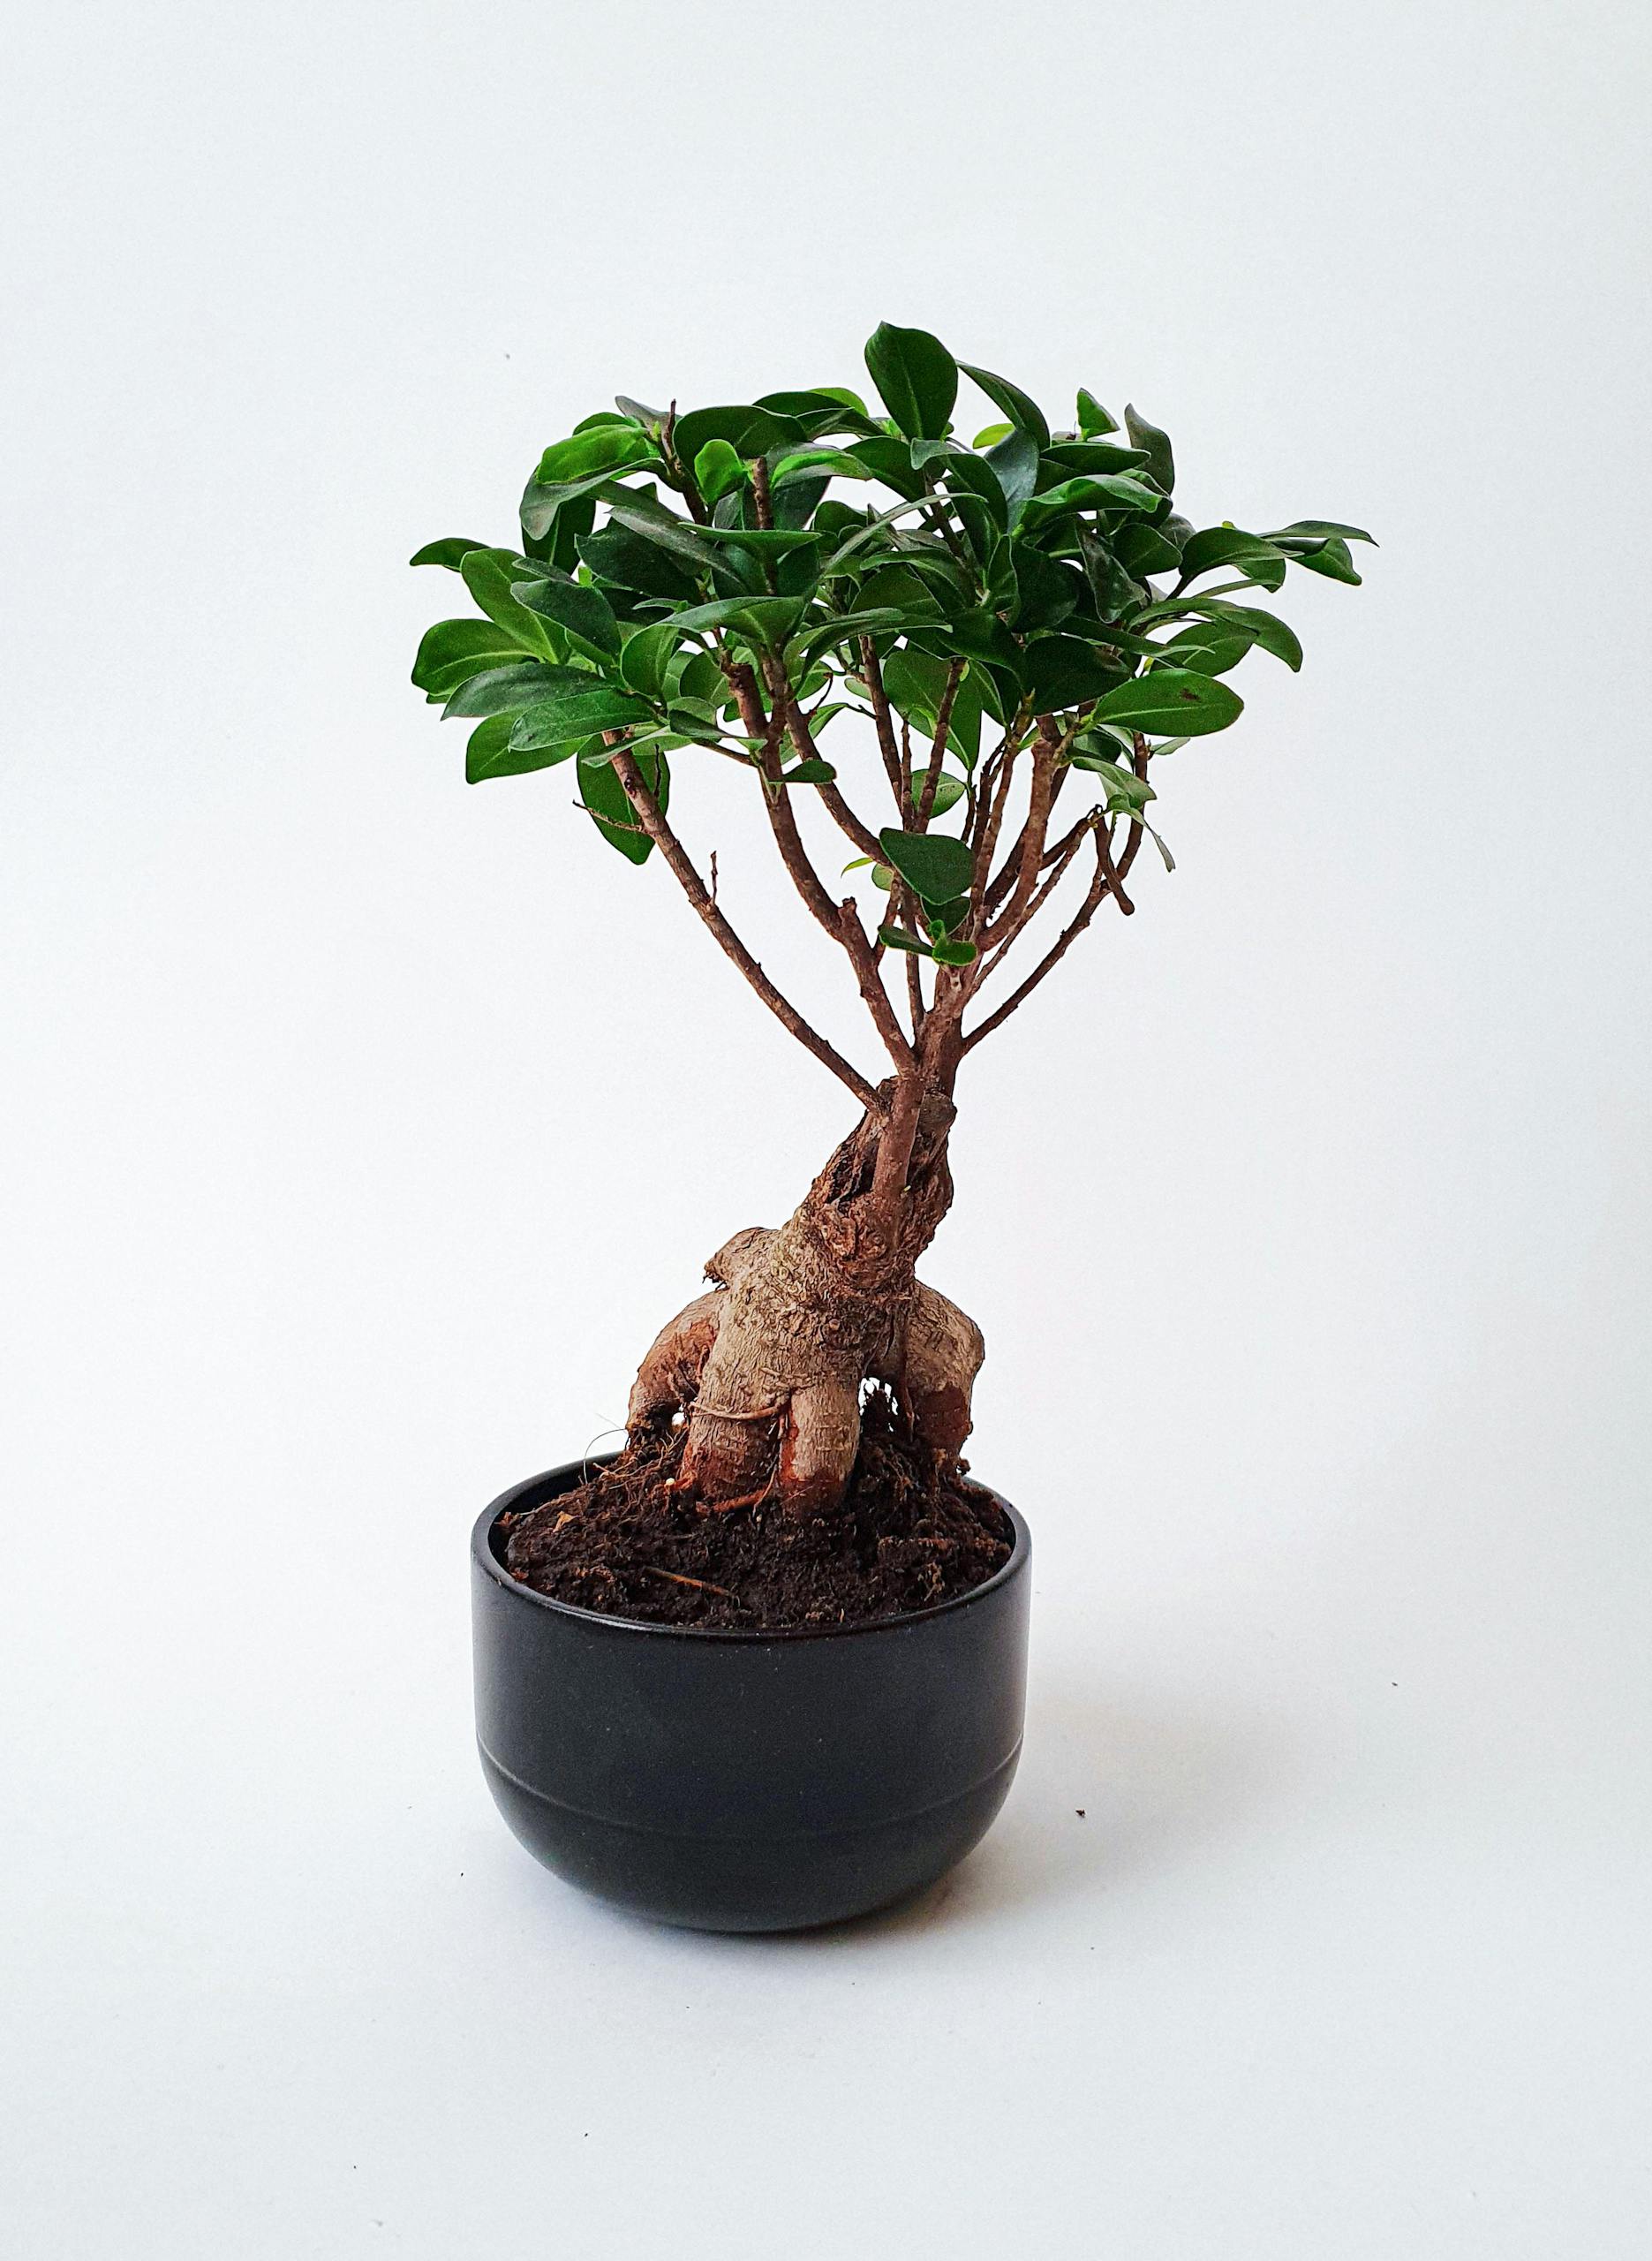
1033,583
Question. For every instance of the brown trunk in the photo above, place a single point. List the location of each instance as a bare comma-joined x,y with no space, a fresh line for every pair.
768,1366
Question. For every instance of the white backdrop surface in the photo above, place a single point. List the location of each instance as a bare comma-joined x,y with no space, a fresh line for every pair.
362,1127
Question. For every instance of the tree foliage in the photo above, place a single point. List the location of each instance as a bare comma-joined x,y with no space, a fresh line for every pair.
1025,612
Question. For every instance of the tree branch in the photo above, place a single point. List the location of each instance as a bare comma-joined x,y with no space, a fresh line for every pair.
938,754
802,738
1000,886
872,669
847,823
840,920
995,783
1100,887
1055,863
1030,848
942,525
659,832
1061,857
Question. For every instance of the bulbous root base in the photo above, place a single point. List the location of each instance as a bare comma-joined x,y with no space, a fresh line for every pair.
771,1382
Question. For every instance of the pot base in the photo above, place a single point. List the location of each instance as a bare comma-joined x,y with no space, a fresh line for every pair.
749,1884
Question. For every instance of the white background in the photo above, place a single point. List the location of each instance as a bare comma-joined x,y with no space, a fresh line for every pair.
361,1127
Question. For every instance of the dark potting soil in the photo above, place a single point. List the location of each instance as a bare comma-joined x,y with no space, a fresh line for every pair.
909,1535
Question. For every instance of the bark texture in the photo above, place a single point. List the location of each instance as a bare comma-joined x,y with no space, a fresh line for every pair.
768,1366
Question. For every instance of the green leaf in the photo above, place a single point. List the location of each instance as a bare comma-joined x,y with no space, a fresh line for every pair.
652,420
1326,527
618,556
451,552
767,620
602,448
915,682
949,790
812,772
889,460
950,951
695,721
488,578
823,408
750,430
1172,702
1127,795
489,752
977,634
1101,456
772,541
1335,560
577,713
947,917
654,523
1266,628
503,690
916,378
836,461
1048,590
647,657
1225,546
935,866
973,475
1121,492
896,588
454,650
541,505
1209,650
898,938
824,635
616,820
1160,461
718,470
1093,419
1065,671
1015,462
585,613
845,397
697,676
1020,407
1143,549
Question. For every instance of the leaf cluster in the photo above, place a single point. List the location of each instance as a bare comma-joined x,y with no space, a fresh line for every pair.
1028,580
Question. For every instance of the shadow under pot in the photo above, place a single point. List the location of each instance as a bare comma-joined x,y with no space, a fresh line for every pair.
745,1782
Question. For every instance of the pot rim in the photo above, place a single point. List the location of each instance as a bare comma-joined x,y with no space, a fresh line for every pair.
483,1555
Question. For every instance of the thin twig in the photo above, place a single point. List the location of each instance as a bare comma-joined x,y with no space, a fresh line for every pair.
678,1578
1047,746
840,920
1099,889
1056,865
847,823
871,672
995,783
938,752
676,859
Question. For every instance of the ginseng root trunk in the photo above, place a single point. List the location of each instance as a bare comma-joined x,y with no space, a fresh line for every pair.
767,1367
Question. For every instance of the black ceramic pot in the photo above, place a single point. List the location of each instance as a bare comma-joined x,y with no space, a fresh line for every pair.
743,1781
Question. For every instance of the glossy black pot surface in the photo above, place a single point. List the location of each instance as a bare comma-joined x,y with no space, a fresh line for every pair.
741,1782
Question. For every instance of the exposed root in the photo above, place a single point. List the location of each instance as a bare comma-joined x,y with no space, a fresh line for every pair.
766,1368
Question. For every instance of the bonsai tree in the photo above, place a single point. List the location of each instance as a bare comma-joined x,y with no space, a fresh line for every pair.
970,660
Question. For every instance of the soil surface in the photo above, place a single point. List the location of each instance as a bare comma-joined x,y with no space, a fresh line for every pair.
910,1533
